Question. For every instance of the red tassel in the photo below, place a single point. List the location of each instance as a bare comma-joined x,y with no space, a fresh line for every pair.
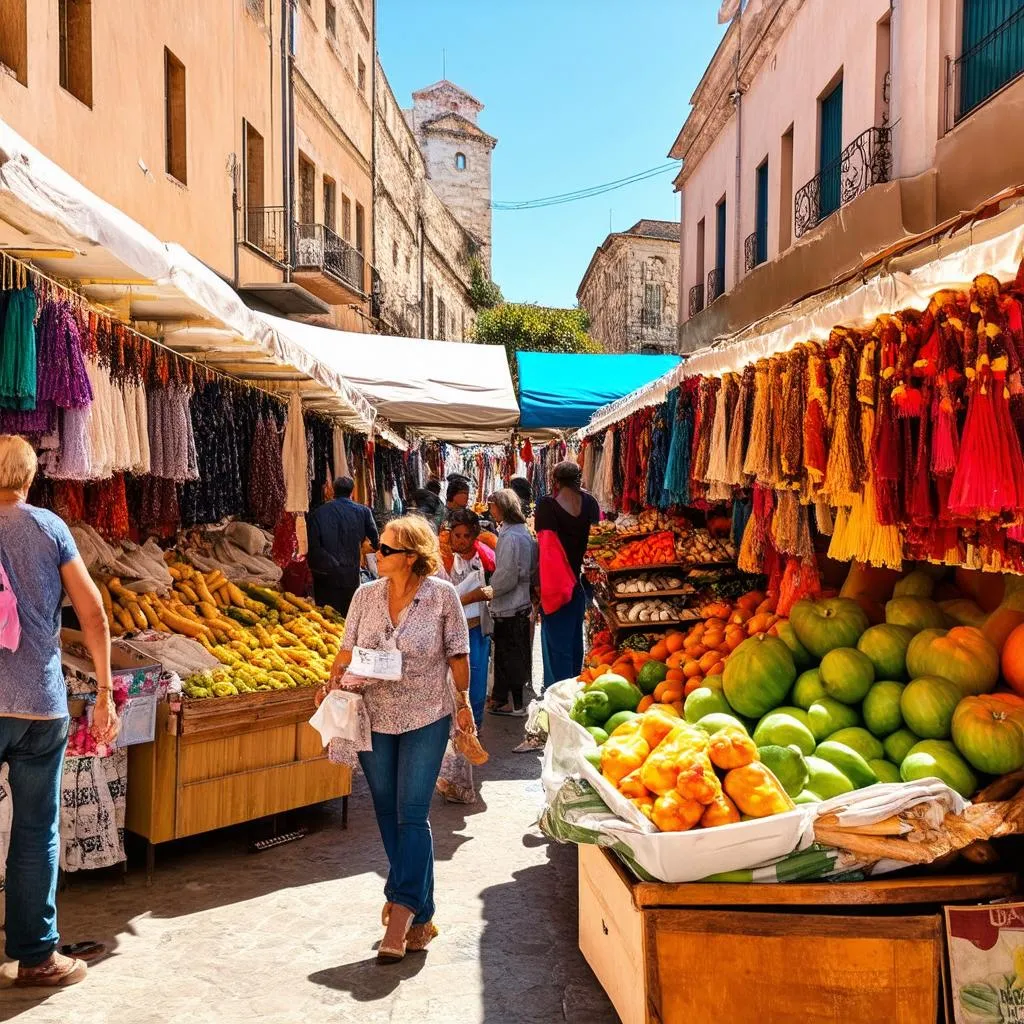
945,440
908,402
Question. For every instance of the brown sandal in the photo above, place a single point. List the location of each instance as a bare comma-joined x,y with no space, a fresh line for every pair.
385,913
57,971
392,949
420,936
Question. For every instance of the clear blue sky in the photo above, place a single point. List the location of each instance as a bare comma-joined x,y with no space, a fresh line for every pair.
578,92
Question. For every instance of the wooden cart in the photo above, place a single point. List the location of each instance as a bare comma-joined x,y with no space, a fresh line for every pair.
850,952
223,761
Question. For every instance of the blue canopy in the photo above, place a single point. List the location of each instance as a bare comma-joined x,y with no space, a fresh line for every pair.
557,390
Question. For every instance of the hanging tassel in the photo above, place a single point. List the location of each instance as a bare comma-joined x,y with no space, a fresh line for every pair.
823,516
739,429
756,462
844,471
717,468
790,436
786,522
815,420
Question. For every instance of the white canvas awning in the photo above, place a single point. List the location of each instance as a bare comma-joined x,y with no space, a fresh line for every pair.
71,234
445,389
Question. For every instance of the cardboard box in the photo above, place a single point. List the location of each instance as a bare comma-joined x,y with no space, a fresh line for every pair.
126,663
986,963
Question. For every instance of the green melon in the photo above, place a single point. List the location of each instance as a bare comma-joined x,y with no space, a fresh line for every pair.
787,764
848,761
807,689
821,626
758,675
886,646
787,634
881,707
927,706
885,770
916,613
860,740
939,759
778,728
825,780
847,674
827,716
898,745
704,701
716,720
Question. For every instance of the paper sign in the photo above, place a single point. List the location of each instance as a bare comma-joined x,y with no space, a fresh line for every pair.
986,963
376,664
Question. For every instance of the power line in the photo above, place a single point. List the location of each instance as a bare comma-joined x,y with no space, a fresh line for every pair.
584,193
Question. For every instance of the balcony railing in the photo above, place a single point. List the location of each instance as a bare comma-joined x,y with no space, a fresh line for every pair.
264,229
865,162
716,283
317,247
696,299
750,259
993,61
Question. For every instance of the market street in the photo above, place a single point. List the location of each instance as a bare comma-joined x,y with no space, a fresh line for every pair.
287,936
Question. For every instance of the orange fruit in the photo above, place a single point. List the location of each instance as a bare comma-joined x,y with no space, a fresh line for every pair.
717,669
735,640
712,638
676,660
660,651
675,675
709,660
691,669
692,684
674,642
697,651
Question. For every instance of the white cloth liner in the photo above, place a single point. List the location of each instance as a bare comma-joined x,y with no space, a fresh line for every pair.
994,246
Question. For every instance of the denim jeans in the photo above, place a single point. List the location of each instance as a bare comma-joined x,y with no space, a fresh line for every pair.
401,772
561,639
34,753
479,659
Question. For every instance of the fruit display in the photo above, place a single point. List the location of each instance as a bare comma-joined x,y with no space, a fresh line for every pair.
651,610
657,549
650,583
264,640
699,548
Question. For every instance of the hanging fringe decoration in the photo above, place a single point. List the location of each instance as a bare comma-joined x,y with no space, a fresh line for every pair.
756,463
739,429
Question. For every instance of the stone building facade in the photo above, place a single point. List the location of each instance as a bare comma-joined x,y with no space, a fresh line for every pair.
631,289
424,245
269,193
444,119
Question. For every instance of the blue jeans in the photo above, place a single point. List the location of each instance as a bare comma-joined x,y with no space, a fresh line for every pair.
561,640
479,659
34,753
401,772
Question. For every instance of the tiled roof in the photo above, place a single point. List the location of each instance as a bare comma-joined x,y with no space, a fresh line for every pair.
667,229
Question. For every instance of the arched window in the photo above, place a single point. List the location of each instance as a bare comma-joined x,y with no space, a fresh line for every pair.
460,161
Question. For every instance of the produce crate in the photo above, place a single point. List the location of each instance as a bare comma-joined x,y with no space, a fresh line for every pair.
790,953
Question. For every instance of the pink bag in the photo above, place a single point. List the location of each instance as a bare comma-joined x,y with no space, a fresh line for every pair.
10,624
557,582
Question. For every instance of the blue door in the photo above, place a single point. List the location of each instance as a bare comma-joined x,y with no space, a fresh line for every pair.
830,150
719,249
992,50
761,213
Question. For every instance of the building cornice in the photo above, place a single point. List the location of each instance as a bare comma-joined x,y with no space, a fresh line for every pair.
712,104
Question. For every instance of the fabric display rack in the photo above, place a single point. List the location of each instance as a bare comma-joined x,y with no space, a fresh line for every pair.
857,440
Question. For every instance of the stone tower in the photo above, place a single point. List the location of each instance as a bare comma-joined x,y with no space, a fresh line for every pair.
458,156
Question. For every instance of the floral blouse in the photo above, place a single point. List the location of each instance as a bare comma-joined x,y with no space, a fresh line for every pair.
432,630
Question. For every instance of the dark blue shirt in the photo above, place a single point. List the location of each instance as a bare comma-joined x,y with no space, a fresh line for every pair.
337,530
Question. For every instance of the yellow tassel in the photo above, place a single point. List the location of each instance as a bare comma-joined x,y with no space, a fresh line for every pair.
756,463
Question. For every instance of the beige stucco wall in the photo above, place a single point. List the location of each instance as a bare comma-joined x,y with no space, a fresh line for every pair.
613,293
407,206
940,173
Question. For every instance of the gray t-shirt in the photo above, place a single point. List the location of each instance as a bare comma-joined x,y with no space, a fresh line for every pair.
34,544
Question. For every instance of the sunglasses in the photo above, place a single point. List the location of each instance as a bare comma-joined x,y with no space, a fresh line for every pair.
386,550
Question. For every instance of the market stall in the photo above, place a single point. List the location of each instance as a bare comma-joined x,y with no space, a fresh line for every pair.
848,700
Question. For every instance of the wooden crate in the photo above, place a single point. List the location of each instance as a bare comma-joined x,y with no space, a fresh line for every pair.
852,952
220,762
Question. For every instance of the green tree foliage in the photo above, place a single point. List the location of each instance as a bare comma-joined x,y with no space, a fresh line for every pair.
483,292
520,327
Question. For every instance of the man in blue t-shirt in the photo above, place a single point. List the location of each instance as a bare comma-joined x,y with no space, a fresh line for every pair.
337,530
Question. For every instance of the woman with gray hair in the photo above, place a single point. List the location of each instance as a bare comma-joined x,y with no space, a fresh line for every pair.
512,582
38,563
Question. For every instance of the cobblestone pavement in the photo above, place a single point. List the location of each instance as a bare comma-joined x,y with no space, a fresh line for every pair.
288,936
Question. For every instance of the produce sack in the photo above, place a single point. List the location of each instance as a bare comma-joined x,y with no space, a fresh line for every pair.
783,847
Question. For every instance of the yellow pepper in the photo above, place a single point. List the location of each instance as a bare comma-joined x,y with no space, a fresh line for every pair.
661,769
674,813
756,791
644,804
722,812
697,779
621,755
657,723
731,747
631,785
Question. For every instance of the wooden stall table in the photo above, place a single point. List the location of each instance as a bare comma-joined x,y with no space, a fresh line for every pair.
788,953
228,760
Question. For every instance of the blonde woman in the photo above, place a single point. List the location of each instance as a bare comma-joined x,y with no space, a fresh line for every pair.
40,562
413,624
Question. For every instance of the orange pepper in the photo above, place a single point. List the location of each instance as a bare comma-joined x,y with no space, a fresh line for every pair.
674,813
722,811
731,748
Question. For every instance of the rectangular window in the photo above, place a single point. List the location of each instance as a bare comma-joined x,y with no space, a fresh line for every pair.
307,186
360,228
830,148
254,184
346,218
75,31
761,214
700,250
430,312
174,117
330,204
331,18
361,74
652,305
883,47
442,320
14,37
786,190
992,49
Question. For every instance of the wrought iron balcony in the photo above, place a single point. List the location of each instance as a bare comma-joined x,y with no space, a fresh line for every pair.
993,61
696,299
865,162
750,247
317,247
264,228
716,283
